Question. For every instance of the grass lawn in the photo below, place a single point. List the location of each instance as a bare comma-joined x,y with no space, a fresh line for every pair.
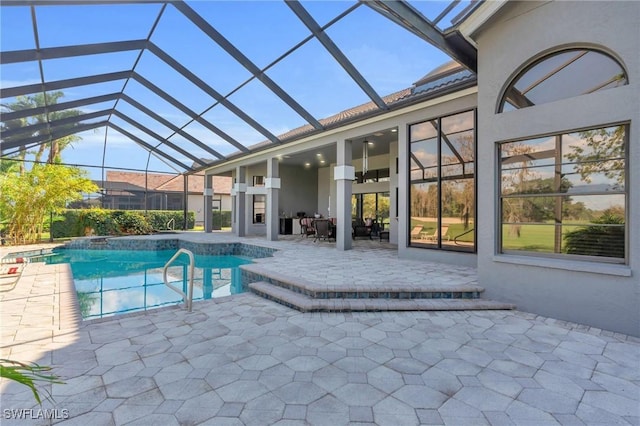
538,238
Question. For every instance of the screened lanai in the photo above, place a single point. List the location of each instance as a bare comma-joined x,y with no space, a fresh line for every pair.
177,86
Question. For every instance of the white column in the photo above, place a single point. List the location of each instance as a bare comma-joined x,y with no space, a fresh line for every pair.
403,189
208,199
240,190
344,174
272,185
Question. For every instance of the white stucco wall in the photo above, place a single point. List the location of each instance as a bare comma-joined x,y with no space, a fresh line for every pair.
299,190
600,295
195,203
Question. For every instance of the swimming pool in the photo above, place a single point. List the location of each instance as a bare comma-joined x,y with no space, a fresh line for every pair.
110,282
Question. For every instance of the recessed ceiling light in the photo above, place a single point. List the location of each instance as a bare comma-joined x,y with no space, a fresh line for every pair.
319,154
370,143
322,161
307,164
394,130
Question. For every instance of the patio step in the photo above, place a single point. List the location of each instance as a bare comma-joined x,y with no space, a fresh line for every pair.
305,303
255,273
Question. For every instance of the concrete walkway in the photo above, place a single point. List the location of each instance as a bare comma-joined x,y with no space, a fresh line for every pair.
245,360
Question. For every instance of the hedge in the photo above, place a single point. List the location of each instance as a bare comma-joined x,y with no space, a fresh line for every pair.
222,218
78,223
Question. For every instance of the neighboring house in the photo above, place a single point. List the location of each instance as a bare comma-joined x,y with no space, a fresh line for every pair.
155,191
495,170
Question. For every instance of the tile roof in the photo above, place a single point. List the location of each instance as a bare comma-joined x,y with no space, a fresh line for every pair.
165,182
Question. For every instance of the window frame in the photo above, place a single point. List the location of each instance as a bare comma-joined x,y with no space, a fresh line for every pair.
563,256
542,57
254,213
438,245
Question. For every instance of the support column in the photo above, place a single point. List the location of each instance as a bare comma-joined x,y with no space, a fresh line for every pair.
403,189
240,189
208,201
344,174
272,184
185,203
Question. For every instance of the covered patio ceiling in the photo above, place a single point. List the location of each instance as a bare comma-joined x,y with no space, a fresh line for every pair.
180,86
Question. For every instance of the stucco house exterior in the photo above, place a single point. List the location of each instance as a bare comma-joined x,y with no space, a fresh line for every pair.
525,169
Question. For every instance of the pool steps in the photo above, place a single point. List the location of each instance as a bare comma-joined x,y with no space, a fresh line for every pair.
306,303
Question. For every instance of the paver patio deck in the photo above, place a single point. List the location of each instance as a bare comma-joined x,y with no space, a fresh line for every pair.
246,360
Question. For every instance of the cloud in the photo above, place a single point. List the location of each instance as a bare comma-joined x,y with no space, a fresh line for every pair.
426,158
458,123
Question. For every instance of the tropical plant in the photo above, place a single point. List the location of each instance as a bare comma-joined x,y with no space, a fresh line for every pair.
39,100
28,196
29,375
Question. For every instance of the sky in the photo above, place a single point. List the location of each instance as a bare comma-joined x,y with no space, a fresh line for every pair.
389,57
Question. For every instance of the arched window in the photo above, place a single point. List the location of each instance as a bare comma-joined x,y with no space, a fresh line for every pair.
561,75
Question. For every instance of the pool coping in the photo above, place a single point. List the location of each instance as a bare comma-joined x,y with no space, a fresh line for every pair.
236,248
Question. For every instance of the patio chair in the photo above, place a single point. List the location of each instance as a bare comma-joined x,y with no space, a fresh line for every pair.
434,237
306,227
415,232
360,229
323,229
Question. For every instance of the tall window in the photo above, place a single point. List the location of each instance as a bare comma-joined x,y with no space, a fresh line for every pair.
565,194
442,181
563,74
374,206
259,208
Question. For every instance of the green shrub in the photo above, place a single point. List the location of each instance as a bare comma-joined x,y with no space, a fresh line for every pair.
101,221
595,240
159,219
222,217
67,224
131,222
78,223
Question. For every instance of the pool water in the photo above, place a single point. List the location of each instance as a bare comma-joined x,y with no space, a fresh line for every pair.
110,282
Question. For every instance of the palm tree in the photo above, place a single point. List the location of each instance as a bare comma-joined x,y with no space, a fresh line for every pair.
56,146
29,194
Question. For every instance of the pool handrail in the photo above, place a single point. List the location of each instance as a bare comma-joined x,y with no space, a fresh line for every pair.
188,299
